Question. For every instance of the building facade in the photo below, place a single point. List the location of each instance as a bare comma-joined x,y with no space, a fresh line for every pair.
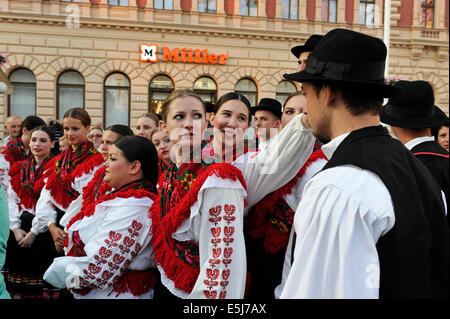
121,58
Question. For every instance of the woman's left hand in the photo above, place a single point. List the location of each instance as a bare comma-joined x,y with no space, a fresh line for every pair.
28,240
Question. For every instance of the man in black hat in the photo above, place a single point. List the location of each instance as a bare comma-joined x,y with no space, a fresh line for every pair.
302,52
371,224
411,114
267,117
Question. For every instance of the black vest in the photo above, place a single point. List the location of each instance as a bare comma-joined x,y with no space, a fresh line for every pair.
414,254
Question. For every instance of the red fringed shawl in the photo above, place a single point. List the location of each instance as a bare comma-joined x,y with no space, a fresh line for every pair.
15,152
63,169
272,217
166,221
27,181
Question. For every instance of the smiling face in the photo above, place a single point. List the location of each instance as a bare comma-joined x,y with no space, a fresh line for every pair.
40,144
145,127
185,122
294,106
108,139
265,122
230,123
118,171
163,144
74,131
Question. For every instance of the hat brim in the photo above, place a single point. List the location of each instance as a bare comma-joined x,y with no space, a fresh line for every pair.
379,89
439,118
296,51
266,108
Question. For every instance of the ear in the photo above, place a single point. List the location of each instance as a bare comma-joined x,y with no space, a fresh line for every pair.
211,118
135,168
277,123
53,144
329,96
162,125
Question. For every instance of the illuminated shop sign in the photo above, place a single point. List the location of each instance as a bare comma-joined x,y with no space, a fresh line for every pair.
186,55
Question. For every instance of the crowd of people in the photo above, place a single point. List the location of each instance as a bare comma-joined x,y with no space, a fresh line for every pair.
323,202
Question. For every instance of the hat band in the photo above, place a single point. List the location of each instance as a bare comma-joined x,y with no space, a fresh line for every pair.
366,71
401,112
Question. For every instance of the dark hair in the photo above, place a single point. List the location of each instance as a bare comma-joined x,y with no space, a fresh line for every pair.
138,148
435,131
79,114
30,122
45,129
175,95
358,100
234,96
120,129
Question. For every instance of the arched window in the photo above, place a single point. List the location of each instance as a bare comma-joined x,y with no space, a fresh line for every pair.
160,88
329,10
367,12
249,8
163,4
289,9
22,102
206,88
70,92
284,88
427,13
248,88
117,100
208,6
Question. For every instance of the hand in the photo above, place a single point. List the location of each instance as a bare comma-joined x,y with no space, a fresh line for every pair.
19,234
58,235
28,240
305,121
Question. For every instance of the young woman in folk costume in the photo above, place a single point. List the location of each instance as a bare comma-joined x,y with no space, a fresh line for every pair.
29,254
197,219
19,150
269,222
109,251
163,145
65,175
95,185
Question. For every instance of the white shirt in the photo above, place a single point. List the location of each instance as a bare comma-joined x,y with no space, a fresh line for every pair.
343,212
117,238
418,140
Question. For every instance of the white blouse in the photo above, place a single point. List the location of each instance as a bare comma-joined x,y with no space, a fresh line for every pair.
116,238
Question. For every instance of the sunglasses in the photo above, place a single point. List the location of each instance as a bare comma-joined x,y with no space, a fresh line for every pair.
95,135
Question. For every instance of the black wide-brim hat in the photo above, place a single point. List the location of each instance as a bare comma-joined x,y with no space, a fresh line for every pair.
268,104
309,45
351,58
413,107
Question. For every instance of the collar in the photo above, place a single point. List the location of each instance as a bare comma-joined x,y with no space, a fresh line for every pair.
332,145
418,140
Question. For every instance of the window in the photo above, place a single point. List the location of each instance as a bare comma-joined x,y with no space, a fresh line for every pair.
122,3
427,13
249,8
70,92
22,102
117,100
163,4
289,9
207,6
284,89
206,88
329,10
248,88
367,12
160,88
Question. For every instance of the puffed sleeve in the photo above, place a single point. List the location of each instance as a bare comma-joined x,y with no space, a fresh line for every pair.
45,213
109,252
274,166
13,207
222,255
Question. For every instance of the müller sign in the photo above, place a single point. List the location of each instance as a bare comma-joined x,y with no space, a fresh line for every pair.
187,55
